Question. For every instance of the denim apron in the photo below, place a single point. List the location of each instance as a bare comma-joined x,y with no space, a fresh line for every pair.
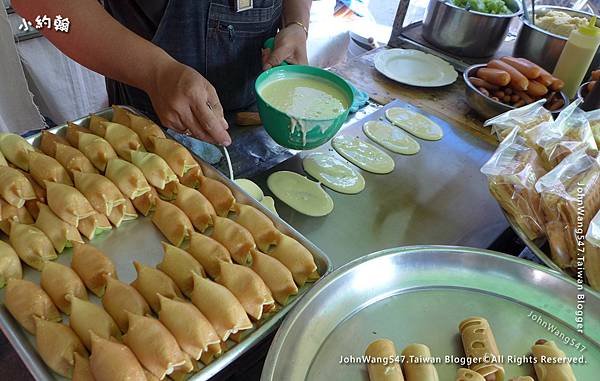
221,44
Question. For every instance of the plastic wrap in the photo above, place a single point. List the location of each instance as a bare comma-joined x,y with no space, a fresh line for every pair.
525,117
592,253
594,119
512,172
570,198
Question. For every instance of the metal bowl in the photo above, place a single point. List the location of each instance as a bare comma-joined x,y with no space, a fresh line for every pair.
542,47
486,106
466,33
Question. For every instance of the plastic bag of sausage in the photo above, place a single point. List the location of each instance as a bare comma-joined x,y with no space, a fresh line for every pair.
512,172
556,140
591,253
525,117
570,195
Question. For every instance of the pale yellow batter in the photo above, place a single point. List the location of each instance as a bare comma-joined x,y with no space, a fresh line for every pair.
251,188
390,137
364,155
334,173
414,123
300,193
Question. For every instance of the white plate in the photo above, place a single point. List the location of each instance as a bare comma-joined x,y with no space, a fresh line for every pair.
415,68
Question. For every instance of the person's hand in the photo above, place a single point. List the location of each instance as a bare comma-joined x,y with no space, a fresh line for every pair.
290,46
185,101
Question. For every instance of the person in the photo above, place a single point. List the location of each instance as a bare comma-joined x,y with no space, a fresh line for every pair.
182,62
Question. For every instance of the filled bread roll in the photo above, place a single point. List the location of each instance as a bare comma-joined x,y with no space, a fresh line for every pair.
192,178
235,238
275,275
146,203
547,370
194,333
218,194
120,298
25,300
172,222
209,253
81,369
93,267
15,149
464,374
479,342
87,317
249,289
46,168
96,149
127,177
179,265
169,192
296,258
145,128
258,224
102,193
418,369
94,225
196,206
57,344
150,282
73,159
68,203
59,281
31,245
177,156
154,345
379,351
112,361
122,138
49,141
60,233
10,265
15,188
220,307
157,171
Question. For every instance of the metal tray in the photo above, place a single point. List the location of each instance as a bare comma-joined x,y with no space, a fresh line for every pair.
421,294
140,240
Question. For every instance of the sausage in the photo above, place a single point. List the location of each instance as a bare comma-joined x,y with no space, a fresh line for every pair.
520,103
596,75
484,91
515,98
478,82
494,76
536,89
556,104
517,80
590,85
528,69
499,94
544,78
508,91
555,83
523,95
506,99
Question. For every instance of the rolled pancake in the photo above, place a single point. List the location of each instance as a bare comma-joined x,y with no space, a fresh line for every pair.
112,361
96,149
157,171
269,203
146,203
48,142
250,188
275,275
464,374
546,370
390,137
60,233
214,352
235,238
151,282
177,156
59,281
153,345
258,224
196,206
362,154
10,265
192,177
479,343
209,253
57,344
120,298
15,149
417,367
194,333
220,307
382,350
300,193
93,267
72,133
46,168
81,368
145,128
120,115
249,289
172,222
3,162
169,193
9,214
179,265
218,194
414,123
87,317
68,203
122,138
25,300
334,173
102,193
31,244
94,225
296,258
15,188
94,124
73,160
127,177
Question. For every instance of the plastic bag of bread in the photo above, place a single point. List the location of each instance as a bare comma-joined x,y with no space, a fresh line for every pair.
570,196
556,140
592,253
512,172
525,117
594,119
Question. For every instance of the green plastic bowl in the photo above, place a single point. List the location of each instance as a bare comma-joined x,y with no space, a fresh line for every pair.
283,128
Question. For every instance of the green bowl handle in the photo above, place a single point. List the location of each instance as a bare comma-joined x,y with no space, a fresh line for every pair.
270,44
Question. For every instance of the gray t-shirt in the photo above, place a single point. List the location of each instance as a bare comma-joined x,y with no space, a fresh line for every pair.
140,16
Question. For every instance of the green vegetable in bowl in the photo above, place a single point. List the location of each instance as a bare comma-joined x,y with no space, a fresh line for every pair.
494,7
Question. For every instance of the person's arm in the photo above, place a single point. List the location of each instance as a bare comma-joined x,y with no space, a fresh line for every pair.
290,42
178,93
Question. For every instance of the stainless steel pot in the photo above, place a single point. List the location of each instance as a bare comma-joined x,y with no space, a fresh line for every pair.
542,47
466,33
